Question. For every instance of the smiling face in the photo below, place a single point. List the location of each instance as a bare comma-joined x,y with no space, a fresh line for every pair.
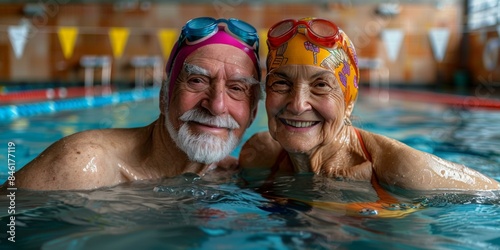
213,102
305,107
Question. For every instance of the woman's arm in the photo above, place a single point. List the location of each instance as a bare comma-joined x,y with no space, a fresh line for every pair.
397,164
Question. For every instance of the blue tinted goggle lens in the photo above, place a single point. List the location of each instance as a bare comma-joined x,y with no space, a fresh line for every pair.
200,27
243,30
200,23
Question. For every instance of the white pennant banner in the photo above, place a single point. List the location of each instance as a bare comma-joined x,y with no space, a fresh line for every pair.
392,39
439,42
18,36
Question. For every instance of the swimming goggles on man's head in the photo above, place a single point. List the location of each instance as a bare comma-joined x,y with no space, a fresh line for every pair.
319,31
199,29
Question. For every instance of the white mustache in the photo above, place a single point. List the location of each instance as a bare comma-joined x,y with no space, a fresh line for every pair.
201,116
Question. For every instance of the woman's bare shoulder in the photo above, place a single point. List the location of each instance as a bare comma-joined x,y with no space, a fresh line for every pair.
261,150
401,165
384,149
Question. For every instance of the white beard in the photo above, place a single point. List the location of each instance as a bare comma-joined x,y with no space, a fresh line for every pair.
204,148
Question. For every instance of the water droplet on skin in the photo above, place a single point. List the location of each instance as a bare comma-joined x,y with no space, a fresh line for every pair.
198,193
191,177
368,211
394,207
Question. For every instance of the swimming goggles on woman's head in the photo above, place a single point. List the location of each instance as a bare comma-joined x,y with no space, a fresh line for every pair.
319,31
199,29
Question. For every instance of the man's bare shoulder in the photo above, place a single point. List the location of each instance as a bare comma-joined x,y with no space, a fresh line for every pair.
78,161
261,150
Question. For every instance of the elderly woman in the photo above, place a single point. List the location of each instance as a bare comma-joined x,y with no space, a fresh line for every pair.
311,87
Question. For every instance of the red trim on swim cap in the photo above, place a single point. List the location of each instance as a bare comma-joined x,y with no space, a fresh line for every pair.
174,64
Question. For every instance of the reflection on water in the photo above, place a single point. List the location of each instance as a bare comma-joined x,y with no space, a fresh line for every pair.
188,212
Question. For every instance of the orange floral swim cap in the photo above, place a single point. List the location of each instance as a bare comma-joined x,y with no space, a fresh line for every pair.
340,58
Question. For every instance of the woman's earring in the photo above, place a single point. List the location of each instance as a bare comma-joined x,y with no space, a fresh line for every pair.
347,122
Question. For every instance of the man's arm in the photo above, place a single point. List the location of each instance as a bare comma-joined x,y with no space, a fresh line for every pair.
261,150
74,162
397,164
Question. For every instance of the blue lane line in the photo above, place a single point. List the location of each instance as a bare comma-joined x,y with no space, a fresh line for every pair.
11,112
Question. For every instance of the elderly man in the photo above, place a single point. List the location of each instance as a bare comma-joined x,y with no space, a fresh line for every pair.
207,102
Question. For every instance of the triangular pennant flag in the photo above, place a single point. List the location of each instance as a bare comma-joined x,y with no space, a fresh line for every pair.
262,42
67,38
167,39
18,36
118,38
439,42
392,39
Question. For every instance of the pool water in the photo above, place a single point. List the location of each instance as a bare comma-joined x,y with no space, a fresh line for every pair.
187,212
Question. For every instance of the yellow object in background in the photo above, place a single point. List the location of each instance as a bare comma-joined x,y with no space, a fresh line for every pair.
167,39
263,43
67,38
118,38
